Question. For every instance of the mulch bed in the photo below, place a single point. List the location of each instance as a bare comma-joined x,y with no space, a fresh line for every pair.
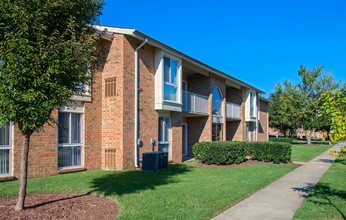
59,206
246,163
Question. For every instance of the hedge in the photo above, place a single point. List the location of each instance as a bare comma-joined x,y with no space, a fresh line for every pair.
269,151
228,152
220,152
282,140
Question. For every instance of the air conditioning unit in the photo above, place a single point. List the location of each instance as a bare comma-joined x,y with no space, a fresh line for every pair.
154,161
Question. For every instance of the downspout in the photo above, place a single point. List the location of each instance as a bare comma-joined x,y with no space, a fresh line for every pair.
136,140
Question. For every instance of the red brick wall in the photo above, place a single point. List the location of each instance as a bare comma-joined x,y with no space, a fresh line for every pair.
235,128
148,116
42,152
263,122
177,136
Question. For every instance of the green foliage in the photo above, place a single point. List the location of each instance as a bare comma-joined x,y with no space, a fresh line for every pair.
46,51
334,106
281,103
220,152
314,83
228,152
299,105
282,140
269,151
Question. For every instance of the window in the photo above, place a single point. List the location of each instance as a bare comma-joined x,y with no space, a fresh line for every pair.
70,139
217,101
82,89
170,79
217,132
164,133
110,87
252,104
5,150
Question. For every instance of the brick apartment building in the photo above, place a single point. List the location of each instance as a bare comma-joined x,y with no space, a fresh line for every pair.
180,101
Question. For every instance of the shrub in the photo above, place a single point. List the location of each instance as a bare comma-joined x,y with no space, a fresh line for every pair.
220,152
269,151
282,140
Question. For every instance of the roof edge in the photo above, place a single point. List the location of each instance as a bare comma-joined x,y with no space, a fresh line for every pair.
141,36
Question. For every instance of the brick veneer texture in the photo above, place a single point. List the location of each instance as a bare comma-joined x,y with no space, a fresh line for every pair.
263,122
109,121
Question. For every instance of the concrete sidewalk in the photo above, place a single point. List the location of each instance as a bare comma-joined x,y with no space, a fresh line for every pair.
282,198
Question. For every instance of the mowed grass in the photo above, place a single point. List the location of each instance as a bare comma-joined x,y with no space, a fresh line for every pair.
180,192
304,152
328,199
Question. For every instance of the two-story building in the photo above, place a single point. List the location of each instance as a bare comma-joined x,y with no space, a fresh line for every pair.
145,95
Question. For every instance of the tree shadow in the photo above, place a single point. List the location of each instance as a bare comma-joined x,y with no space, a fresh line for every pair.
306,189
132,181
57,200
323,195
325,161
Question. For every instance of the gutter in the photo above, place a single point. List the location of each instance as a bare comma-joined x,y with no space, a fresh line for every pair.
136,139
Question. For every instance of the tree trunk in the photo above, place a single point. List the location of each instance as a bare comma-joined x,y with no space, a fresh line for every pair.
308,137
23,172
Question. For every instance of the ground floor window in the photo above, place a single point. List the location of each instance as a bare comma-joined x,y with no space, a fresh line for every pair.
70,139
164,133
250,131
5,150
217,132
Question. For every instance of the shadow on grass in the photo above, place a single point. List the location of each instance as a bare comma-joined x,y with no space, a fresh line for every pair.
132,181
324,194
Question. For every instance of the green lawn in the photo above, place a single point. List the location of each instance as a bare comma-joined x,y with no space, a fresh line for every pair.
181,192
304,152
328,199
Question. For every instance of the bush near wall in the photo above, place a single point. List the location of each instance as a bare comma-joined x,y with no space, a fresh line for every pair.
282,140
229,152
269,151
220,152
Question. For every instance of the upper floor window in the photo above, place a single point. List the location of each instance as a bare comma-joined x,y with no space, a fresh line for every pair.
217,102
252,104
170,79
5,150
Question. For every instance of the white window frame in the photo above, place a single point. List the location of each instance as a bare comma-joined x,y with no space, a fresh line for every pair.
80,111
166,140
178,76
252,103
8,147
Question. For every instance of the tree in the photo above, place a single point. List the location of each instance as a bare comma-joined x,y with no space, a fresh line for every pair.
334,106
313,84
282,103
46,51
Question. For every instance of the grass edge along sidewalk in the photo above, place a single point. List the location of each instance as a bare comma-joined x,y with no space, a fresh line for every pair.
328,198
180,192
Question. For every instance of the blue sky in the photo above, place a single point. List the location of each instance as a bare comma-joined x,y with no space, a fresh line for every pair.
261,42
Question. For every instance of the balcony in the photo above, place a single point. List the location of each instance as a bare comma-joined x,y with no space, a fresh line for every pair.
232,111
194,103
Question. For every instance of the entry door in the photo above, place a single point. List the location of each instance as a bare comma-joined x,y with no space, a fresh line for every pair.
184,147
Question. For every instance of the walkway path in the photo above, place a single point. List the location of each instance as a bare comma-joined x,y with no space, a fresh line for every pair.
282,198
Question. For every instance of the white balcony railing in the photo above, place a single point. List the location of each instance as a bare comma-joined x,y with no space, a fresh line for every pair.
195,103
233,110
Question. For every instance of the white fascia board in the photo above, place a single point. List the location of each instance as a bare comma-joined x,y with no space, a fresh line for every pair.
141,36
